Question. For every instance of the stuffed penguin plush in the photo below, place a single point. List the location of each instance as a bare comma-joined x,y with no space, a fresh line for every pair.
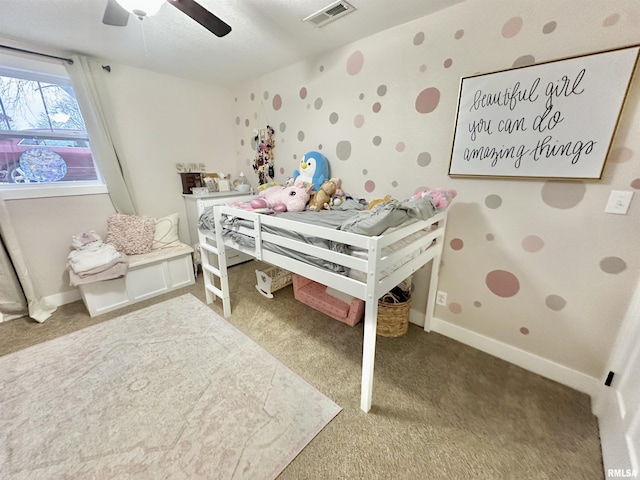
314,170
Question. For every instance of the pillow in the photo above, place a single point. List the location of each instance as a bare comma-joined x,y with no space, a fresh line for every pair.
130,234
166,233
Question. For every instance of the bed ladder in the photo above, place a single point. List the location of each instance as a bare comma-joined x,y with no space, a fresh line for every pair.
210,272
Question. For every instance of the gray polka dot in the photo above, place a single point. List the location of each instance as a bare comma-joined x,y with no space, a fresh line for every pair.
490,237
300,136
283,126
563,195
613,265
361,96
524,61
265,95
493,201
333,118
377,141
317,104
555,302
424,159
459,34
382,90
343,150
418,38
549,27
394,184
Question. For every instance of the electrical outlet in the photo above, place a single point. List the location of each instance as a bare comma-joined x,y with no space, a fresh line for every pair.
441,298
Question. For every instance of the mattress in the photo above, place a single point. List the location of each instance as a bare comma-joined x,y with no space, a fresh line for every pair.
385,217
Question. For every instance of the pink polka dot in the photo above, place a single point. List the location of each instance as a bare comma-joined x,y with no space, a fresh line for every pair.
611,20
369,186
532,243
277,102
621,154
455,308
242,142
428,100
512,27
355,63
358,121
376,107
423,68
456,244
400,147
524,331
448,62
303,93
635,183
246,122
502,283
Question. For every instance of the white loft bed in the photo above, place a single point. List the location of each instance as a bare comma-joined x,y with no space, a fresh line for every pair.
382,270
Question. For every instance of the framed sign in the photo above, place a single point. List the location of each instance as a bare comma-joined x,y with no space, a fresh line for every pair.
551,120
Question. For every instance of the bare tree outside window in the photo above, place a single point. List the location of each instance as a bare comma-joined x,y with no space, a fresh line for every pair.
43,138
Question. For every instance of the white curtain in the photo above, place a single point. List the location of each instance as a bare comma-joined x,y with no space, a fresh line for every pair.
19,295
12,301
38,308
88,83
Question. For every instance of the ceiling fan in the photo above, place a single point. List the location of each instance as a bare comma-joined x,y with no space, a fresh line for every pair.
117,13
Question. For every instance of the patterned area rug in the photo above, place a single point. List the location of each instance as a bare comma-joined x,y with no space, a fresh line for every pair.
170,391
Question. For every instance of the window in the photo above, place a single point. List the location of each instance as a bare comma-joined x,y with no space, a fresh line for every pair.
43,138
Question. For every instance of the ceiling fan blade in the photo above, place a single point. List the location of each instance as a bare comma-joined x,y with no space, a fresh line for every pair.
203,16
115,15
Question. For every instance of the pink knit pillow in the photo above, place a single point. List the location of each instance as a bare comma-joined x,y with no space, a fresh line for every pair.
130,234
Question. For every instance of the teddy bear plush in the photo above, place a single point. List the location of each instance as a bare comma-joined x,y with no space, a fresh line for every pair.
321,200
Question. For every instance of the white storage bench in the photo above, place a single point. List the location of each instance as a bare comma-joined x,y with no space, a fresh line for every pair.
150,274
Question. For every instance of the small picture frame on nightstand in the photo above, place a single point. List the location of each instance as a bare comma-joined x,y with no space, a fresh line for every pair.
223,185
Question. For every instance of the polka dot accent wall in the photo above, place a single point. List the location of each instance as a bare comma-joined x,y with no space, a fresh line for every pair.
521,259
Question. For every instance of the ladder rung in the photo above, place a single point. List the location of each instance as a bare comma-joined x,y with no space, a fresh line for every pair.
216,291
209,248
211,269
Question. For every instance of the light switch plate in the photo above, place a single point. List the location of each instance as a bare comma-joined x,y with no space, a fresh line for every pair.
619,201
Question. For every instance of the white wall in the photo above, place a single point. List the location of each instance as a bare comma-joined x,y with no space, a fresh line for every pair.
160,120
163,120
575,265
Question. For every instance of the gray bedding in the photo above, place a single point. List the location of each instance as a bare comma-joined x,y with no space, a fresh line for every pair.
350,218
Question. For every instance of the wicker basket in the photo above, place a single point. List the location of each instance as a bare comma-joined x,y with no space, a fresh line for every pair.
271,280
393,318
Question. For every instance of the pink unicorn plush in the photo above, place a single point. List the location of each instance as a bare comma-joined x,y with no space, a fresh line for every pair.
441,196
284,199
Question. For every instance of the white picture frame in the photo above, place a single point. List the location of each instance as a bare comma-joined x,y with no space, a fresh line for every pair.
550,120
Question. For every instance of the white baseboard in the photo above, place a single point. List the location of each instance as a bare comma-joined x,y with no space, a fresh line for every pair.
63,298
529,361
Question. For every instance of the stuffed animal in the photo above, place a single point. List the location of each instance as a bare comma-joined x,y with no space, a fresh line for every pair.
375,202
441,196
284,199
321,200
338,196
314,169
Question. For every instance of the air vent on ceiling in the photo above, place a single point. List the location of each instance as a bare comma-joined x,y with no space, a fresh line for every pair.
330,13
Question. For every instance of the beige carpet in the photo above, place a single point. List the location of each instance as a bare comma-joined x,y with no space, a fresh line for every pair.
441,410
169,391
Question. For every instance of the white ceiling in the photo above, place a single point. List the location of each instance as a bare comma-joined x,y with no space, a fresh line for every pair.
266,34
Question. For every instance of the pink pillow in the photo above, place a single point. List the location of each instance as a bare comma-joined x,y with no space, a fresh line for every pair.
130,234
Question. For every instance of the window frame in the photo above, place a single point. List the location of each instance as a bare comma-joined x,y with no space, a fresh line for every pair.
35,70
